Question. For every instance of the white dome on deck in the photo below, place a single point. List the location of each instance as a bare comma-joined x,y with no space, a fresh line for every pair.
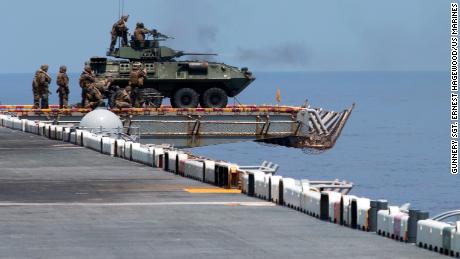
101,118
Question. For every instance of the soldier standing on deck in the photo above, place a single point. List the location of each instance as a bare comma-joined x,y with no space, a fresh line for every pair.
41,87
120,29
35,91
136,80
62,81
86,79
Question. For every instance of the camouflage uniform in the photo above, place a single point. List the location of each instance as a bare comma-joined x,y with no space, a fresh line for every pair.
122,99
42,81
93,97
35,91
62,81
136,80
139,34
86,79
103,85
119,29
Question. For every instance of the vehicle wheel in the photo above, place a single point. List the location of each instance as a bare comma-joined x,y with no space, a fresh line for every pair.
214,98
185,98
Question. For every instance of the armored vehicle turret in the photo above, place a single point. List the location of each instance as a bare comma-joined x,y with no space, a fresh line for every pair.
187,83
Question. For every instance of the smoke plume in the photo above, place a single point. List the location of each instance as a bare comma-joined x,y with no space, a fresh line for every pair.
289,53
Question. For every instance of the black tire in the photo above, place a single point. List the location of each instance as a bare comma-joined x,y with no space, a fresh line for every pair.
185,98
214,98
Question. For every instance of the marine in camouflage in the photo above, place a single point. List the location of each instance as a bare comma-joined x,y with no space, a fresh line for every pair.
86,79
62,80
136,81
139,35
41,84
94,98
119,29
122,99
35,91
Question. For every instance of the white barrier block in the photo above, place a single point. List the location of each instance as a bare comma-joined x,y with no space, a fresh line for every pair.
73,137
429,233
138,152
16,124
311,202
59,129
194,169
275,181
32,127
392,223
150,159
79,137
66,135
127,151
363,205
46,130
292,191
182,157
334,205
244,182
8,122
142,154
171,161
210,171
52,132
92,141
384,222
120,147
159,157
260,184
23,126
347,209
456,241
108,146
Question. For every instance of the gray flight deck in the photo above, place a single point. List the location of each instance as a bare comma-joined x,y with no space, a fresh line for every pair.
63,201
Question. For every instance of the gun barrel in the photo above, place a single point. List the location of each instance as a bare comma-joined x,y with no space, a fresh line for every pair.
198,54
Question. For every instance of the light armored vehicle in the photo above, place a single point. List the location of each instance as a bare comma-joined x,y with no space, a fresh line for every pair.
187,83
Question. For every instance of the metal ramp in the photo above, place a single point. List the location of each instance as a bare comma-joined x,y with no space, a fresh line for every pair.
300,127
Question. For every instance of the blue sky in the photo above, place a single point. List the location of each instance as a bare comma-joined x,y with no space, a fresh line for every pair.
265,35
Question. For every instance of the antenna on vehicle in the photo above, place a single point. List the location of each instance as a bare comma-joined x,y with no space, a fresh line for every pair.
122,7
121,10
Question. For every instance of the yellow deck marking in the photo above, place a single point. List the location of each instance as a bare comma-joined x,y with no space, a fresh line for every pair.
211,190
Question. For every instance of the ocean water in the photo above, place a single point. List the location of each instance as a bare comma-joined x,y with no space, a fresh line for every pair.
395,145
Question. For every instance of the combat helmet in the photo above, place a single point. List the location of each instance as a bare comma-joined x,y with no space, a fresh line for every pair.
44,67
137,65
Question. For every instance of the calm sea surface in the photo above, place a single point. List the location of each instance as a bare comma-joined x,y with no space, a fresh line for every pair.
395,145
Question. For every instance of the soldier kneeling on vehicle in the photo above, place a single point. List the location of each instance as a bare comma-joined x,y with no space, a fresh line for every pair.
94,97
121,98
